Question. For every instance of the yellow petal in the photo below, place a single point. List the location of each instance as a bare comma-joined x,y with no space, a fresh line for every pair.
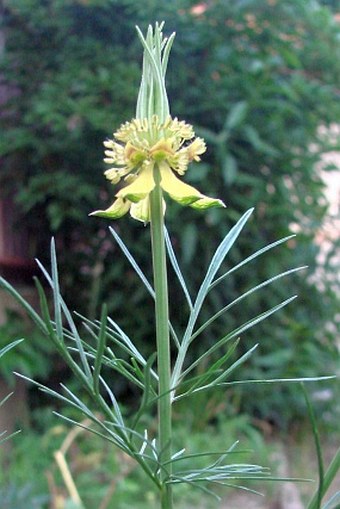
178,190
207,203
117,210
141,187
141,210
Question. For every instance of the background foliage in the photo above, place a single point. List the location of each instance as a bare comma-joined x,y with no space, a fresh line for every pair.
257,78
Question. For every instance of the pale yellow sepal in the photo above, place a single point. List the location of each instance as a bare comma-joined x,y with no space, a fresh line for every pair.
140,187
207,203
118,209
141,210
178,190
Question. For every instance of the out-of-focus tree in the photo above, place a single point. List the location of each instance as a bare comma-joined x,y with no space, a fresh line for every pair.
256,78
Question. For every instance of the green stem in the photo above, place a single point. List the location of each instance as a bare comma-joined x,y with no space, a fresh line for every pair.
163,340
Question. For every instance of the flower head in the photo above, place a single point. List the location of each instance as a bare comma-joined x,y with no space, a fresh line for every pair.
154,148
144,152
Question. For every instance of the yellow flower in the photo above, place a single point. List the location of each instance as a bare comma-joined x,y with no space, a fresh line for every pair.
143,152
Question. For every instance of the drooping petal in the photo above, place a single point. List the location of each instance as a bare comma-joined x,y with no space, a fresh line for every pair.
206,203
178,190
140,187
118,209
141,210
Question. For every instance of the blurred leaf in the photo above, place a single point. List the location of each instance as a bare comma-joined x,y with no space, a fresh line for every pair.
236,115
229,169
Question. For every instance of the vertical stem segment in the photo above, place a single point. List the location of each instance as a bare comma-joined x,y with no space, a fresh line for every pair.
162,338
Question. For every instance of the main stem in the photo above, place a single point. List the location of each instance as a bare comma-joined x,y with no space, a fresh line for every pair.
163,340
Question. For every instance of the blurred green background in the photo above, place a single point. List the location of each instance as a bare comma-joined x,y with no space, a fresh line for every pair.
259,80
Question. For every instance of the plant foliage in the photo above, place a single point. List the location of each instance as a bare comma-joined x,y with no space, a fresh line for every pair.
103,344
257,79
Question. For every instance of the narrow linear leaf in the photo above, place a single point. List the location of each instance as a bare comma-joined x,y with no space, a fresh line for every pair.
132,262
51,333
131,347
129,371
100,349
259,318
111,437
87,372
149,55
214,369
312,418
141,275
218,258
334,502
141,438
56,292
117,413
57,341
217,381
147,390
215,264
187,457
114,362
49,391
175,479
3,401
8,437
239,330
78,402
331,472
9,347
139,371
168,44
244,296
280,380
175,265
116,334
216,346
124,367
249,259
325,479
